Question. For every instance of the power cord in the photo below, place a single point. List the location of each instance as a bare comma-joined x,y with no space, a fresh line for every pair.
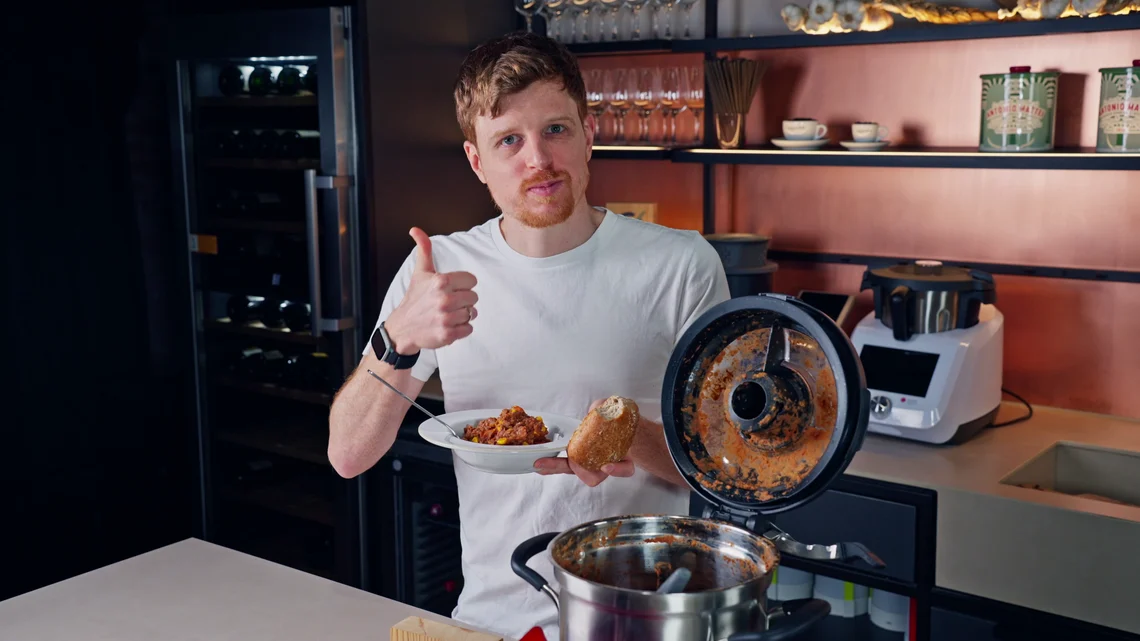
1028,415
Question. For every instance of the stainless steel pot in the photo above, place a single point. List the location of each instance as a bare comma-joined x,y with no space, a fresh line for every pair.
926,297
609,570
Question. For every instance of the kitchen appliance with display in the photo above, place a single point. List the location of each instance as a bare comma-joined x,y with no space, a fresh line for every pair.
764,405
931,351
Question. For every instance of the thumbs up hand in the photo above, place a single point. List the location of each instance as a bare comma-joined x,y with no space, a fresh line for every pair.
437,309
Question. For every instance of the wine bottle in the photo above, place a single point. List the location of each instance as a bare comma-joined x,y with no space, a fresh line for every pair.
289,81
247,363
265,143
299,144
231,81
261,81
311,78
240,309
296,315
269,310
273,368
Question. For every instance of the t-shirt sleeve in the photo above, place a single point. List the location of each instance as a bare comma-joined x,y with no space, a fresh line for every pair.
426,364
706,285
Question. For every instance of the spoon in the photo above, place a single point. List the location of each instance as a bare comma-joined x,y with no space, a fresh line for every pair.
676,581
418,406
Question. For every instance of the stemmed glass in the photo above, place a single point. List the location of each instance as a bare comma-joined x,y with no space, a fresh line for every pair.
693,96
635,24
617,85
615,15
529,9
646,92
663,12
670,99
555,9
687,5
583,14
596,97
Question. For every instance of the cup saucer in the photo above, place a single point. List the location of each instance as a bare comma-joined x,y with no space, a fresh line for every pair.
784,143
874,145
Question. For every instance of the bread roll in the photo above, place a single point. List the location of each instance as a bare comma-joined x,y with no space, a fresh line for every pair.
605,435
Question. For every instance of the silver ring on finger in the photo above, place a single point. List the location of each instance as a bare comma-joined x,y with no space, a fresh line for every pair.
470,314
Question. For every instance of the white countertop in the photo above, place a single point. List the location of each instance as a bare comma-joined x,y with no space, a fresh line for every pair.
1073,556
198,591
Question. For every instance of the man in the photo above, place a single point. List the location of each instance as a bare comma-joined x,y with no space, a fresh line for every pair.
552,306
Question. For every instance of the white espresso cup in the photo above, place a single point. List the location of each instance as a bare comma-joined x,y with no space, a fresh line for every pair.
804,129
868,132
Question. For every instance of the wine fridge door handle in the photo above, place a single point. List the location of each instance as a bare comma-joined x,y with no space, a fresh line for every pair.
313,182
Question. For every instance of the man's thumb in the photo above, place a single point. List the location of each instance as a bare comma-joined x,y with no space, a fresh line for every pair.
424,262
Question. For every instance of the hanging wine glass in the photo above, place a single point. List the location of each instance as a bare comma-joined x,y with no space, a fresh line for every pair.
663,14
635,23
584,7
529,9
554,10
615,17
687,5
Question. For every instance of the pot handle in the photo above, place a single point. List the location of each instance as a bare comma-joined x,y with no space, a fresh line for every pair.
900,322
799,615
525,552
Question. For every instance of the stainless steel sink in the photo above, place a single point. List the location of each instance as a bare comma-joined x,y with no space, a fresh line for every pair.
1082,470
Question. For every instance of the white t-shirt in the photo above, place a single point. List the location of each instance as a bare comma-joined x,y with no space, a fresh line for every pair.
555,334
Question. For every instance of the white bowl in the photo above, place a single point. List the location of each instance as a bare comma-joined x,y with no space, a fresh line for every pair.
499,459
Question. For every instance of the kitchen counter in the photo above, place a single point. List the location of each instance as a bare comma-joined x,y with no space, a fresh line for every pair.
1069,555
197,591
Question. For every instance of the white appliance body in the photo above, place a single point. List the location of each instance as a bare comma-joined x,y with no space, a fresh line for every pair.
937,388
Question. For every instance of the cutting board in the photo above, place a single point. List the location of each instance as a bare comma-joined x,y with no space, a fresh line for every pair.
420,629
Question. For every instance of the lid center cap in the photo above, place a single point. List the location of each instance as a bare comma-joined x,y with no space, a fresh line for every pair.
772,411
749,400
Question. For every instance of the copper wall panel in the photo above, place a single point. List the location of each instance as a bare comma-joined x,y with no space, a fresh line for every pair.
930,93
1069,218
1068,343
675,187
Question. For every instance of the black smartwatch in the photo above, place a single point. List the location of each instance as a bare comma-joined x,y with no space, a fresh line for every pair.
385,351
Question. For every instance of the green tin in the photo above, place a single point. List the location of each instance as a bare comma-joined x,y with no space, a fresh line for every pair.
1118,120
1019,110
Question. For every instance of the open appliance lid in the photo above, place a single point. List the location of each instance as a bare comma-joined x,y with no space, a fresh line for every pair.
764,404
928,275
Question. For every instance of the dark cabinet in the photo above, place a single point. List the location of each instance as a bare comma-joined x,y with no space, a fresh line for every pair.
415,545
960,617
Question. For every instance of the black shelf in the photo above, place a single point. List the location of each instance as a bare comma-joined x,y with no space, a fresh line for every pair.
1041,271
271,226
263,164
261,332
623,46
903,32
925,157
268,389
305,100
290,440
633,151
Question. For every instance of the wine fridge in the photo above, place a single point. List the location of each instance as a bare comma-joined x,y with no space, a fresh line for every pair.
266,162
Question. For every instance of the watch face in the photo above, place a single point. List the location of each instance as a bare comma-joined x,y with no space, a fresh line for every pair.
380,343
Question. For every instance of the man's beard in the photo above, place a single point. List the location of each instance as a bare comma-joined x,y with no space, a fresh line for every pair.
559,207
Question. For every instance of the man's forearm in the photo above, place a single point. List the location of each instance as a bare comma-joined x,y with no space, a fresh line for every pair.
650,452
365,417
